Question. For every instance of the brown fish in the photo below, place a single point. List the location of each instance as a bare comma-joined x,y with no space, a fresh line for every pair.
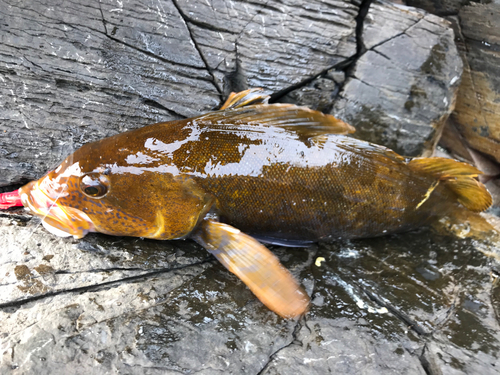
279,173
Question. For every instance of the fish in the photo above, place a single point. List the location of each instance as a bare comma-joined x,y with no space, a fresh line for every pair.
249,174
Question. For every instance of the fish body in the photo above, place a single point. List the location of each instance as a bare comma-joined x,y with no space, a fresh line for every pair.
281,173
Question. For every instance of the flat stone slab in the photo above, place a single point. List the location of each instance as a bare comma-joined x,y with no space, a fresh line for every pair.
74,72
399,304
403,88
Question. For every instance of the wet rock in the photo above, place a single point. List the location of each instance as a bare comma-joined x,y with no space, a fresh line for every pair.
396,304
439,7
32,265
118,67
76,73
274,46
401,90
72,72
477,113
319,94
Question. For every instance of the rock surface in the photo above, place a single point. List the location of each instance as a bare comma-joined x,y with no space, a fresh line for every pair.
76,71
402,89
473,131
401,304
477,113
439,7
274,46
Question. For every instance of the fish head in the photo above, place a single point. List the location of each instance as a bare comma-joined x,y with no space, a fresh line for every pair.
96,190
50,198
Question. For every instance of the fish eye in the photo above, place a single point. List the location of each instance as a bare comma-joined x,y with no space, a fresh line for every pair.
94,185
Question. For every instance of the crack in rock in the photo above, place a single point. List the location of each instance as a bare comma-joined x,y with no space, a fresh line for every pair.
415,326
294,341
428,362
193,39
94,287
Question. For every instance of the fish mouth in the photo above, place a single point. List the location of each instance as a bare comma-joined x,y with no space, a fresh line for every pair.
63,221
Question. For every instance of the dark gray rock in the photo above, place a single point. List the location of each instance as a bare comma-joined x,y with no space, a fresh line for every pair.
78,72
273,45
440,7
72,72
401,90
320,93
68,79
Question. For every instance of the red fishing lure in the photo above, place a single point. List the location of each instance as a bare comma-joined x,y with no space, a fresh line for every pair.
10,199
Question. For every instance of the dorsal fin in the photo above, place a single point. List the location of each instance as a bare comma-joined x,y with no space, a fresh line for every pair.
301,120
458,177
245,98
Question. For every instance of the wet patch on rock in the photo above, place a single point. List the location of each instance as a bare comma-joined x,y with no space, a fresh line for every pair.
401,302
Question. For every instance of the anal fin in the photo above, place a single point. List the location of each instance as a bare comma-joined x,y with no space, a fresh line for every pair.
256,266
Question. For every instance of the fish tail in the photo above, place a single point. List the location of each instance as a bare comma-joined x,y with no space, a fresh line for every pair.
459,177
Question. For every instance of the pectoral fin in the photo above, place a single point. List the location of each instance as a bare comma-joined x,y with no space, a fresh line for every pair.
256,266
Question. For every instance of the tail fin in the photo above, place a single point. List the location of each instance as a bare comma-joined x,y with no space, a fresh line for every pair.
459,178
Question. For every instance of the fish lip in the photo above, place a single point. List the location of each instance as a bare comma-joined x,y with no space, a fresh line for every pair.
56,218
